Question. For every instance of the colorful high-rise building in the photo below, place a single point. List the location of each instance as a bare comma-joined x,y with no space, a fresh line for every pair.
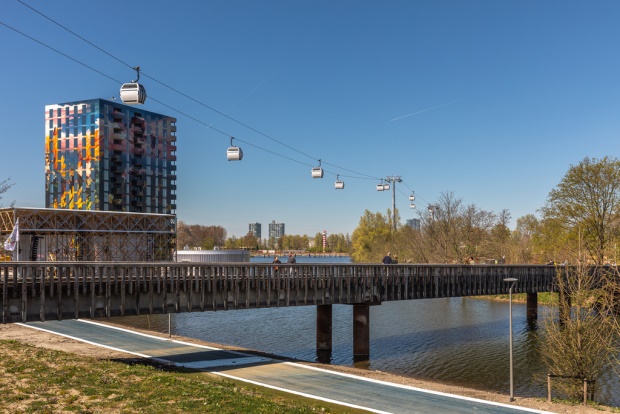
103,155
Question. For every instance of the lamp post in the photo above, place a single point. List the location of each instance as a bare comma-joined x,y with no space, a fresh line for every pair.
512,282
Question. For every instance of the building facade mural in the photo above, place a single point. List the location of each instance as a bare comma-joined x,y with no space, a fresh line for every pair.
103,155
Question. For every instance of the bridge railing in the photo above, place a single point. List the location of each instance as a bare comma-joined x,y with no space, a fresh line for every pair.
60,290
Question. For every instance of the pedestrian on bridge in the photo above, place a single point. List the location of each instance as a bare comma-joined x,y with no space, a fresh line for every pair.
276,261
291,258
387,259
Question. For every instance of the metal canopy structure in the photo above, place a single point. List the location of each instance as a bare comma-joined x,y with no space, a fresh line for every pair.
48,234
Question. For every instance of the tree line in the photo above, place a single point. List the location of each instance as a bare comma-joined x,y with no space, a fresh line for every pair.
578,223
208,237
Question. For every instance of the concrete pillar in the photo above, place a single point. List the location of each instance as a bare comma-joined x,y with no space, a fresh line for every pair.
532,306
361,331
324,331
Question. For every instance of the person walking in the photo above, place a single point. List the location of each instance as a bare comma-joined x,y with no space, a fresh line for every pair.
387,259
276,261
291,260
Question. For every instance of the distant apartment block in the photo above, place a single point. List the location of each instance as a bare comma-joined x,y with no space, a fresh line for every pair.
276,230
413,223
255,229
103,155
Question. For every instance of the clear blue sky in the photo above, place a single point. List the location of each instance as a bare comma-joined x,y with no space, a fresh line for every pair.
493,100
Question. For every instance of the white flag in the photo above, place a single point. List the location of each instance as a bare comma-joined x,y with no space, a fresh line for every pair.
11,243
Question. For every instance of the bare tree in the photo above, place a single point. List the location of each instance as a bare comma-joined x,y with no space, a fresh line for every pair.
5,185
580,336
196,235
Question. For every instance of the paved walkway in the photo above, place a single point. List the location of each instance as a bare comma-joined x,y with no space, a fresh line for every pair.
345,389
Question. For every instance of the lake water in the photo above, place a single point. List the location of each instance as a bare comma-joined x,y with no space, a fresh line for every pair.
461,341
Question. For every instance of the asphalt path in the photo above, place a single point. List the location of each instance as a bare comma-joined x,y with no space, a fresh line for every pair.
345,389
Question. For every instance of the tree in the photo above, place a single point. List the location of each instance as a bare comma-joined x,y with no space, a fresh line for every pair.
580,341
500,235
474,235
196,235
586,202
5,185
522,236
371,238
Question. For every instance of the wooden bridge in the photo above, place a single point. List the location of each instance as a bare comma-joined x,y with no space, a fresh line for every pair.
39,291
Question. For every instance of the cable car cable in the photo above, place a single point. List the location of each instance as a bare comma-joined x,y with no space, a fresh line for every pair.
181,112
184,94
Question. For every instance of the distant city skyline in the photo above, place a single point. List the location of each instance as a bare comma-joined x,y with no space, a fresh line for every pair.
493,101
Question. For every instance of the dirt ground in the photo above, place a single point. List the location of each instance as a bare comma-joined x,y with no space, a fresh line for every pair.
51,341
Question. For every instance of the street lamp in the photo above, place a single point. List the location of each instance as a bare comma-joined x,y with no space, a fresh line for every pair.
512,282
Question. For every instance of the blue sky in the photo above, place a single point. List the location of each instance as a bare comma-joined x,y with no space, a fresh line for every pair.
492,100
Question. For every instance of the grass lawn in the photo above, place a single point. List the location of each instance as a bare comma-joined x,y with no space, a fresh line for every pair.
37,380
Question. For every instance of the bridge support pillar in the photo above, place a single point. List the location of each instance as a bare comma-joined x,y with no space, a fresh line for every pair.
532,306
324,333
361,331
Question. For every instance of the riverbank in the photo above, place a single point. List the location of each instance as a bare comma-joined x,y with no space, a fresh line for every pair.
49,341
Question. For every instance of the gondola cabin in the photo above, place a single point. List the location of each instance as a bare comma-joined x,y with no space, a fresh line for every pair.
317,172
339,185
412,198
386,187
234,154
412,205
380,187
133,93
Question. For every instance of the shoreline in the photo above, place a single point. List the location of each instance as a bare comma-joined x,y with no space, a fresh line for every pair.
51,341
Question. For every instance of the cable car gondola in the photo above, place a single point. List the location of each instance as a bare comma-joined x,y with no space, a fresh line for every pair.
133,93
317,172
411,197
412,205
234,153
339,185
380,187
386,186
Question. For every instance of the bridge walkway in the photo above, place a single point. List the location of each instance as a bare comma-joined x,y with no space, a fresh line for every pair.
345,389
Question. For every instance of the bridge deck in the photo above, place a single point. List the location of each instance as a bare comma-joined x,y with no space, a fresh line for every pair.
54,290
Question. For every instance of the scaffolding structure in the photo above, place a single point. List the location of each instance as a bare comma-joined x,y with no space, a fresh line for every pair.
48,234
